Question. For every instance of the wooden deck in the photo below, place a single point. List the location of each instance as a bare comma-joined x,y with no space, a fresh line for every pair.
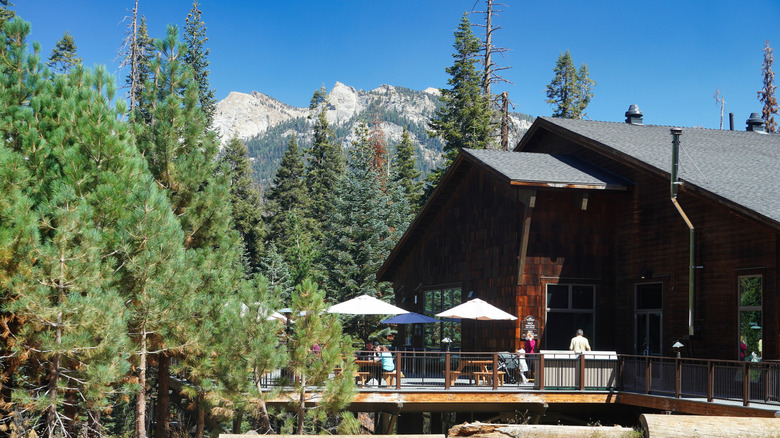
438,382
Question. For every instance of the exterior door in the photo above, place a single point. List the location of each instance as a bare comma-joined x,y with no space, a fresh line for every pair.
648,319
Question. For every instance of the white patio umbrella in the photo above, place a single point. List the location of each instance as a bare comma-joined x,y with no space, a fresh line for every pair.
476,309
366,305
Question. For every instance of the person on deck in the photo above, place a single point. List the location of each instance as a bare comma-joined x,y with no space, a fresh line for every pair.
579,344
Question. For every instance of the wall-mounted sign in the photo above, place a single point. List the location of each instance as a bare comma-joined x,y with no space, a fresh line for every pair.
530,324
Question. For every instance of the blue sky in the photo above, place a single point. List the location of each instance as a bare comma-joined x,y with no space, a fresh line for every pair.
668,57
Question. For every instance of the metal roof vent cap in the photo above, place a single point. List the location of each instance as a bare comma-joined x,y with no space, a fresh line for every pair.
755,123
633,115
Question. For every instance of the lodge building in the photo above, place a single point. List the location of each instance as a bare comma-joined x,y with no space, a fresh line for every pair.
602,226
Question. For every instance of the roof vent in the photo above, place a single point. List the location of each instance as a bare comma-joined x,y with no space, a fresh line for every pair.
633,115
755,123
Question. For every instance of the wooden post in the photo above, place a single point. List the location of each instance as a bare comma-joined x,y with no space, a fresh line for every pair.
398,370
447,371
677,377
648,374
495,370
710,381
582,372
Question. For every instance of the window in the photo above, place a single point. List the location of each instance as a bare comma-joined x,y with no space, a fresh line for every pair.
569,307
436,301
750,289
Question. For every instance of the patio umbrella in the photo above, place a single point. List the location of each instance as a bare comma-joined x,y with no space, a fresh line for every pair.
410,318
366,305
476,309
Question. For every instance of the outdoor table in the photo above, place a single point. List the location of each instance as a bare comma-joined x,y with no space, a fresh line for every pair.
475,369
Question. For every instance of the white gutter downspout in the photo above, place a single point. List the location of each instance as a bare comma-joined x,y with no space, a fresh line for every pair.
676,132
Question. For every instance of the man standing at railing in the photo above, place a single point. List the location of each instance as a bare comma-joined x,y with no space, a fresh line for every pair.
579,344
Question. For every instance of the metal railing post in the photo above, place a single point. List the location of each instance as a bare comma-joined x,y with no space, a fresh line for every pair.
710,381
540,371
582,372
677,377
745,383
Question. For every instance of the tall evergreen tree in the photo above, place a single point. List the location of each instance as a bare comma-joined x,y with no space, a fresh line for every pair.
767,93
404,172
570,91
463,121
89,200
359,234
246,202
64,57
138,51
182,156
287,194
6,13
326,164
197,57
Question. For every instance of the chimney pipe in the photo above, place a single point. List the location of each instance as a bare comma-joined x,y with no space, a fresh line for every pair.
633,115
755,123
731,121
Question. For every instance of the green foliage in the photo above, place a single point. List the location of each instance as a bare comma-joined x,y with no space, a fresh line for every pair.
366,218
464,119
404,171
315,371
246,202
288,193
570,91
197,58
6,14
63,57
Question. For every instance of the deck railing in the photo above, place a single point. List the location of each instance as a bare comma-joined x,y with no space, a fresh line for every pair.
748,382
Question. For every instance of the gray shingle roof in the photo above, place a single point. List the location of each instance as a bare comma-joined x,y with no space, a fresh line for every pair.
739,166
544,169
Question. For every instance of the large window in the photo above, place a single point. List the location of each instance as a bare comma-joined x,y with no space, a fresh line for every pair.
648,319
569,307
750,326
436,301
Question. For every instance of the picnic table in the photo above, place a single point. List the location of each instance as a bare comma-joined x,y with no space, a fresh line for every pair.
477,370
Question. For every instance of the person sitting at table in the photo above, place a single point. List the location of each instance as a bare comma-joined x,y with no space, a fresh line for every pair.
377,357
388,365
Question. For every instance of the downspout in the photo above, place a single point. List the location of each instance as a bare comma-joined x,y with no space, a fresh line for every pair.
676,132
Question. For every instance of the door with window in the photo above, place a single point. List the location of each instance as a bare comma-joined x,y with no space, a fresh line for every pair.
569,307
750,325
648,319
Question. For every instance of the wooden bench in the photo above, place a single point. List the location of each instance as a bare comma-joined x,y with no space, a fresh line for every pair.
487,377
389,377
361,377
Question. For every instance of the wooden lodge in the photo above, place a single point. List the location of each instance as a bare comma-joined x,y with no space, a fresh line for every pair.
596,225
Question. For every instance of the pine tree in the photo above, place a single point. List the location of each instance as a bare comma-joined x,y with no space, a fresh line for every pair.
570,91
314,326
767,93
464,119
63,57
90,192
137,50
287,194
326,165
404,171
246,202
197,58
250,347
359,233
6,13
182,156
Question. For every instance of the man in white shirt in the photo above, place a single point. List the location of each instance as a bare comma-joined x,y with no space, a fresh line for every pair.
579,343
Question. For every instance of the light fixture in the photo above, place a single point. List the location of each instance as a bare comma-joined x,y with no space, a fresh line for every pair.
677,346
